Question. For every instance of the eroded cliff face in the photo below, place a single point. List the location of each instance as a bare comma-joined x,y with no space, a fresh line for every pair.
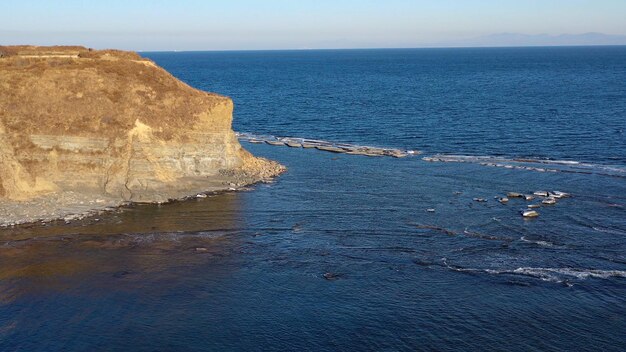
114,124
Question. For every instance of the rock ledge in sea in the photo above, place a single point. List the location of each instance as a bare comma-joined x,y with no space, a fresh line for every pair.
112,126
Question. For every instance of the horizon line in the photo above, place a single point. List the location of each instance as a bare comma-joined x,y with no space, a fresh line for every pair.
382,48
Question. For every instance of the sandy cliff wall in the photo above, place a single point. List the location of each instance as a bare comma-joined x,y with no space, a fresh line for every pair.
112,123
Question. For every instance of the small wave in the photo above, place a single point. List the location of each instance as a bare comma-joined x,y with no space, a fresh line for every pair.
541,243
123,239
557,275
572,272
608,230
538,165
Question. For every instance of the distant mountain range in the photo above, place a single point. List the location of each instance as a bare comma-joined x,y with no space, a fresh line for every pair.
518,39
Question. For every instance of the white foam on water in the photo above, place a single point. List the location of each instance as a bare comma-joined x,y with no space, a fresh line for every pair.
539,242
557,275
611,231
572,272
538,165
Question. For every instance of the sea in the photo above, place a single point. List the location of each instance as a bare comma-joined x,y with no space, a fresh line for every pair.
357,253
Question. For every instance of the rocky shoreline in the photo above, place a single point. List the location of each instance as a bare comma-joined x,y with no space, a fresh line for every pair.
72,206
327,146
84,131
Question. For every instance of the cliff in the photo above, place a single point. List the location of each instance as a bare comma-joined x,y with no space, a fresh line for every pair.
113,125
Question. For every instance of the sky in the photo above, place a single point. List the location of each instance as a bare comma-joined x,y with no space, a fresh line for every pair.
298,24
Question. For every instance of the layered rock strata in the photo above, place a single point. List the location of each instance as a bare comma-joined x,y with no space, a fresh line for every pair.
112,125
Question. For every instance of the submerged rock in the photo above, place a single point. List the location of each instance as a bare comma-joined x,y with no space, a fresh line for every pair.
107,124
549,201
514,195
529,213
331,276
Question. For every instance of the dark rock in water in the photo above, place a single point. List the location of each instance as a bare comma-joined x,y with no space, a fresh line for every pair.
121,274
518,283
331,276
421,262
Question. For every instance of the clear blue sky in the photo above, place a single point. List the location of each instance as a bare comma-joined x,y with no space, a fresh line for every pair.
294,24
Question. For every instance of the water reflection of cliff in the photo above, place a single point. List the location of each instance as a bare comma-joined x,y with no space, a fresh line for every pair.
124,245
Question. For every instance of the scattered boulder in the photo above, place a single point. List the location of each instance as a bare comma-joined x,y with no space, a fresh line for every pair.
529,213
514,195
559,194
549,201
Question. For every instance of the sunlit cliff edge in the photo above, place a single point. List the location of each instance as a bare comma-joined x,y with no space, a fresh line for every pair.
81,128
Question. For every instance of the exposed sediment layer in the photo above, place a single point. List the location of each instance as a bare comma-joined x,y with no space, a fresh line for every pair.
79,125
327,146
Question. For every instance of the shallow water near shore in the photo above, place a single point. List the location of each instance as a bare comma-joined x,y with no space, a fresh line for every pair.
347,251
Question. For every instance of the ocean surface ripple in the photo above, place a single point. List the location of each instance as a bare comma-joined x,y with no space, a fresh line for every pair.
358,253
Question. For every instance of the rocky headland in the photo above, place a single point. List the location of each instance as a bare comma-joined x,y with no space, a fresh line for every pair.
83,130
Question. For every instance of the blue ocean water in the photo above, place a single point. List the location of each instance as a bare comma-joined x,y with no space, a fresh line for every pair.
348,252
561,103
